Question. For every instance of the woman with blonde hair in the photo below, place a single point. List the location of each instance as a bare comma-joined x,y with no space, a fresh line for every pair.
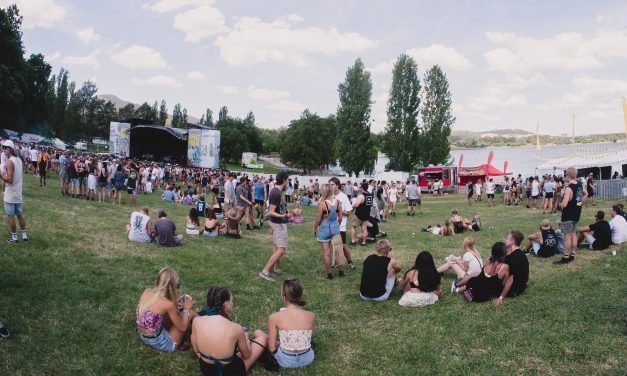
327,225
448,229
469,263
159,303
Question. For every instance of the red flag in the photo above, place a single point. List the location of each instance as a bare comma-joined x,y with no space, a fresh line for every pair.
505,167
461,159
490,156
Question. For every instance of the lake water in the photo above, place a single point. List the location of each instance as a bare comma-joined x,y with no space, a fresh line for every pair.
521,160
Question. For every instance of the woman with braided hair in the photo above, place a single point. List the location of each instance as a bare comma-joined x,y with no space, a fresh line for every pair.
222,346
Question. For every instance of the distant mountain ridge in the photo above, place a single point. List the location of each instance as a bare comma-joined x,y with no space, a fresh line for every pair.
119,103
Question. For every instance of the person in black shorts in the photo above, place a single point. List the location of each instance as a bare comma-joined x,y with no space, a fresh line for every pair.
470,191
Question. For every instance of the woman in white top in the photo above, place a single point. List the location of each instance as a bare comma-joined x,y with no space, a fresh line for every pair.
192,227
294,327
393,197
469,263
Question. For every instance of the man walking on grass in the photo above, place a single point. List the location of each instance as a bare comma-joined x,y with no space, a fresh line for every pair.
347,207
13,200
279,216
572,199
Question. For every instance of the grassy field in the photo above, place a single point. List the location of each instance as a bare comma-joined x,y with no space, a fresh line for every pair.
68,297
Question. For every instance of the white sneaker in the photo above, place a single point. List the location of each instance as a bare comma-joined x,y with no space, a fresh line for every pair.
453,288
266,276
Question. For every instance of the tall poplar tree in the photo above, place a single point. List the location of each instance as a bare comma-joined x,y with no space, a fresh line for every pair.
400,141
437,119
177,116
163,113
354,146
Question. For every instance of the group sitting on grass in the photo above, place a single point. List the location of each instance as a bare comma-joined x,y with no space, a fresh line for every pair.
222,346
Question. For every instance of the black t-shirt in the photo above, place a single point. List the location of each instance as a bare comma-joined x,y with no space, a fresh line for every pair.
132,180
519,268
374,276
548,247
275,198
602,235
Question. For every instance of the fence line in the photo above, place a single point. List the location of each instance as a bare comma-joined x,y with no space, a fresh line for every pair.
615,188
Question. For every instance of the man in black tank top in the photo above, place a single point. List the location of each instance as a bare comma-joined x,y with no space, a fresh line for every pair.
543,242
362,206
572,198
379,274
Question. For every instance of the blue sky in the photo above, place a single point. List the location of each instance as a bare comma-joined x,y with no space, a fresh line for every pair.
510,64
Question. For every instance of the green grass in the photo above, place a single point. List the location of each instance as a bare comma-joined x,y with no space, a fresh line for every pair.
68,297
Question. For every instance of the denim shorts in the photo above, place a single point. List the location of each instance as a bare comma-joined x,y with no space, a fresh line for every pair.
568,227
326,231
161,342
13,209
290,360
77,181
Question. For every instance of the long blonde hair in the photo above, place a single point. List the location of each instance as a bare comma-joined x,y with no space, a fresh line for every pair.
166,285
469,245
448,228
325,191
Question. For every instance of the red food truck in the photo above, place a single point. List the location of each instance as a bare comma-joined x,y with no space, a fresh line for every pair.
428,175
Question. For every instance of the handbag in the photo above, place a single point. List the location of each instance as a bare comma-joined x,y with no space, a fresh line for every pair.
268,361
467,295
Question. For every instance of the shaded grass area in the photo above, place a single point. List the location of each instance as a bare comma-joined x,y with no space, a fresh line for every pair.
68,296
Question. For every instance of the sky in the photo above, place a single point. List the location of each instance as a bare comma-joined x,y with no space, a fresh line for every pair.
510,64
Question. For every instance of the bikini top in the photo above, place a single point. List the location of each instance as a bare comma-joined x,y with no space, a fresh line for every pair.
217,362
149,320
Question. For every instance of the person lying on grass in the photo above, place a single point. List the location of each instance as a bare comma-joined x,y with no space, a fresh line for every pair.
160,323
469,263
215,338
294,327
421,283
489,282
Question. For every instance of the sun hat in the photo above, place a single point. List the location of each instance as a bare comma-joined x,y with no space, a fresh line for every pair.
8,143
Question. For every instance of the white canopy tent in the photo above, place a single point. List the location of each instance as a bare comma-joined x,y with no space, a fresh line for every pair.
614,156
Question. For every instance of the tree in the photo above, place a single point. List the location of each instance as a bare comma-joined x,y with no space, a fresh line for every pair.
400,141
306,142
184,119
163,113
207,118
355,148
144,112
12,85
231,135
224,112
437,119
126,112
271,140
35,109
177,116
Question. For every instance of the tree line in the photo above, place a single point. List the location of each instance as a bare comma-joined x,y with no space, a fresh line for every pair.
419,118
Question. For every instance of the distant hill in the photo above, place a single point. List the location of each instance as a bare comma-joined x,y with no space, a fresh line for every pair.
119,103
518,137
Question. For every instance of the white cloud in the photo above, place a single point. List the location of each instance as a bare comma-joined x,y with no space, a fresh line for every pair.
592,92
196,75
228,89
266,94
200,23
156,81
287,106
37,13
294,18
164,6
567,51
446,57
491,102
139,57
87,35
255,41
382,68
54,57
90,60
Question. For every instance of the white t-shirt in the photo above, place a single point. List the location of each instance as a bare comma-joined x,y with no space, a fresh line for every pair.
33,155
618,225
138,231
346,204
474,263
392,192
489,188
477,189
535,188
149,187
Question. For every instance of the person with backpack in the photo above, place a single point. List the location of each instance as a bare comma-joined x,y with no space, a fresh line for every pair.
544,242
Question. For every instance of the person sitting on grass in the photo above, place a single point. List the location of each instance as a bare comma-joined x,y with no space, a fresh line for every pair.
518,267
489,282
294,327
140,229
458,222
421,283
216,338
192,226
165,231
232,227
469,263
169,195
160,323
379,274
618,225
297,214
201,205
544,242
213,228
602,237
374,230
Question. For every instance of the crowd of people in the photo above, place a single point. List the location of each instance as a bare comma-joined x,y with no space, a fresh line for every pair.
219,200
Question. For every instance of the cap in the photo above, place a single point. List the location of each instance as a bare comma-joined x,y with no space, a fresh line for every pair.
8,143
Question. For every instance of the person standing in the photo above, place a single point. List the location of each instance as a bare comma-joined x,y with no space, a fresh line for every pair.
489,190
34,156
13,199
412,198
43,162
362,206
478,186
573,196
347,208
261,195
591,189
279,216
